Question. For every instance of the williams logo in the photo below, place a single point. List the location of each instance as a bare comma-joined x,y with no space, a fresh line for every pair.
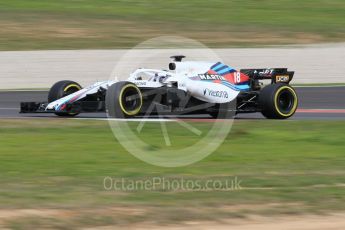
211,77
222,94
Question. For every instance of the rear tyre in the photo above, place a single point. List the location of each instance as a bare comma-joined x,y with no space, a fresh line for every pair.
123,100
61,89
278,101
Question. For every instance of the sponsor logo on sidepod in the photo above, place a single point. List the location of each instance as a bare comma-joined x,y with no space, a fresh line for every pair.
211,77
213,93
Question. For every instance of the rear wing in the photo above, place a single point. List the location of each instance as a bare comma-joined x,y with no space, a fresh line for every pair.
276,75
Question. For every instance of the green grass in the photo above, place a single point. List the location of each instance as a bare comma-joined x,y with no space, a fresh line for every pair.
65,24
286,167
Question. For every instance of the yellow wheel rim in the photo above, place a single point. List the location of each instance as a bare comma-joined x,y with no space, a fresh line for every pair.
293,109
71,86
133,112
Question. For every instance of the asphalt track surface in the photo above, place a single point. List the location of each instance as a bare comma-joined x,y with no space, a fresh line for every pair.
314,103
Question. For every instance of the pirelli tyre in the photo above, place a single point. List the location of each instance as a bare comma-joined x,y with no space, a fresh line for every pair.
123,100
61,89
278,101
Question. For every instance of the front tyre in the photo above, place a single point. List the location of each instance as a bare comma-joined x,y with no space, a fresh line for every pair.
61,89
278,101
123,100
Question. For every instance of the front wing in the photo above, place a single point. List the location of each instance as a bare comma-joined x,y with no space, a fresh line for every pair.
75,107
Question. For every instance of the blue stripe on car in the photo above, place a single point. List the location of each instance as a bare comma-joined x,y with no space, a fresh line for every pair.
217,68
215,65
219,65
224,71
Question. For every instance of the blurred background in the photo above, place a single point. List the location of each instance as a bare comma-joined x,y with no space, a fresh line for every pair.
90,24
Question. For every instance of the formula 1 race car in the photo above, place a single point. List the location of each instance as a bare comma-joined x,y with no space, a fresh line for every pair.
187,88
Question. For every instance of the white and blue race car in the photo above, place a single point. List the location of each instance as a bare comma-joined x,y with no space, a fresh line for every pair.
187,87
